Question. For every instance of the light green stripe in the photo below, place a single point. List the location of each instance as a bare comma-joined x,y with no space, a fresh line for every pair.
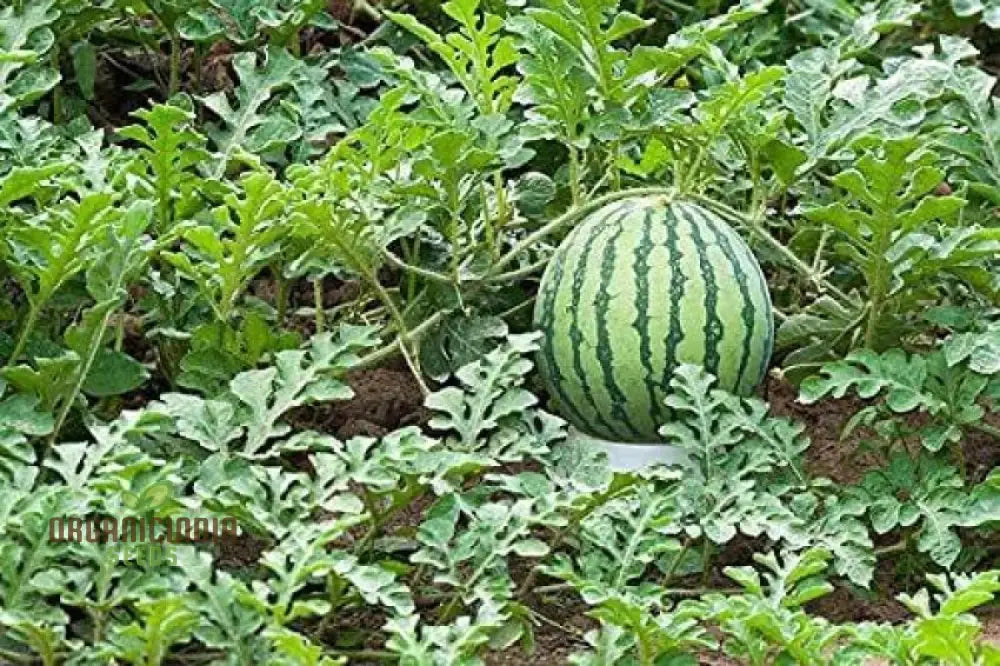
570,351
692,302
617,341
732,307
643,384
712,330
764,308
591,371
545,314
677,288
565,347
658,312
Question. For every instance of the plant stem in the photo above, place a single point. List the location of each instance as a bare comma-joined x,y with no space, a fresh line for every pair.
574,174
174,82
371,506
94,346
706,556
960,461
22,340
669,574
616,176
120,332
397,316
518,273
366,8
878,285
405,337
364,655
426,273
987,429
511,311
320,313
502,212
281,298
571,216
410,492
897,547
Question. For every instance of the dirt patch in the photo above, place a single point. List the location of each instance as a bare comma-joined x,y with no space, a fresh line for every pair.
841,458
991,628
240,553
981,452
844,605
560,624
829,455
384,399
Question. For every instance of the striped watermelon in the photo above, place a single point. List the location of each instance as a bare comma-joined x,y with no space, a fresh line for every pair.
639,287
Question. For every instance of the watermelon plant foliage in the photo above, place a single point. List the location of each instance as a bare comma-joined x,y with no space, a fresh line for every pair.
347,277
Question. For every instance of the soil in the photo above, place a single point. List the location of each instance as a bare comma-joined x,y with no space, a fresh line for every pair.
559,630
243,552
829,455
384,399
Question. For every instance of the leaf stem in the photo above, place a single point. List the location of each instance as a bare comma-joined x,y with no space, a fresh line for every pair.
987,429
518,273
426,273
404,337
320,313
402,499
22,340
591,506
174,82
281,297
571,216
706,556
897,547
93,347
668,575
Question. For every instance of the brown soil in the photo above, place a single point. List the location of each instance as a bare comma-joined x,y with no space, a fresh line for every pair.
384,399
559,628
829,456
240,553
991,627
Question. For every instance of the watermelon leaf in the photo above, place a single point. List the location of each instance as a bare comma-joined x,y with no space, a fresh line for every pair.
949,393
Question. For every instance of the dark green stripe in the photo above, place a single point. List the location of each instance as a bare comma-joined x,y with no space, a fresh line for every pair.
677,280
548,310
643,251
604,348
712,330
600,426
747,312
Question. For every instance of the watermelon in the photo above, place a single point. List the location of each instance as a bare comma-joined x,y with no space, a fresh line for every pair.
639,287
